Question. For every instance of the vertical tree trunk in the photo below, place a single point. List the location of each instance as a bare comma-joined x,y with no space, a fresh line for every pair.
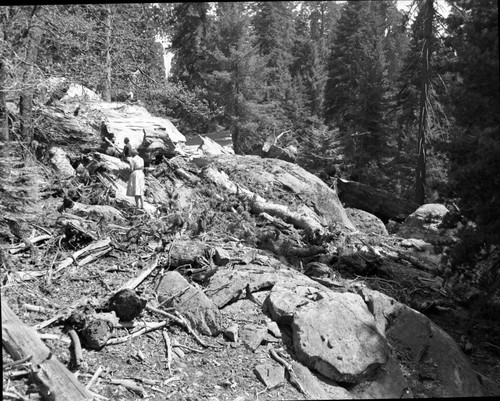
4,115
423,125
35,33
107,83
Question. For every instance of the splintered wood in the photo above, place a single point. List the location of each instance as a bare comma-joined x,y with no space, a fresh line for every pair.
55,381
87,254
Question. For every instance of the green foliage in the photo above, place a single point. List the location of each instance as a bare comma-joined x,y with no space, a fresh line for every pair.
190,24
319,150
475,147
420,97
358,86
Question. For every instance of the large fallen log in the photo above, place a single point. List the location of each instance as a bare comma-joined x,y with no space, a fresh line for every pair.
303,218
382,204
55,381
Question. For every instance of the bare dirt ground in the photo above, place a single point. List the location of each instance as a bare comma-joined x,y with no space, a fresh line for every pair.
223,371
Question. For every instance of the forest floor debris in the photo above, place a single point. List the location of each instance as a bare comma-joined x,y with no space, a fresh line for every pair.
160,356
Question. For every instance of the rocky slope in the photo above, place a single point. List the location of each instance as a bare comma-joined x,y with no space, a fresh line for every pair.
261,287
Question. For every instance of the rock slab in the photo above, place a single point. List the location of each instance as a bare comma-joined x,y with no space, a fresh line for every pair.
337,336
270,375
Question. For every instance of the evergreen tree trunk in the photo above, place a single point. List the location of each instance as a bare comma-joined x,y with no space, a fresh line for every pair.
4,122
107,82
423,125
35,33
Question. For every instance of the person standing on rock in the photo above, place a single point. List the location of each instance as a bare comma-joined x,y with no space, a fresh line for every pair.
137,181
127,148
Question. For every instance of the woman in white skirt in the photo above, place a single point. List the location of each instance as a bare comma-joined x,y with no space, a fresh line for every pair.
137,181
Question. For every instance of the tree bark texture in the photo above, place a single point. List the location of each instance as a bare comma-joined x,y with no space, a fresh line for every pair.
55,381
423,123
4,122
107,83
35,33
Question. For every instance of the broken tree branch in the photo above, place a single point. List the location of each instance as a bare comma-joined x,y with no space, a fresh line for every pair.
77,347
144,330
22,247
180,321
95,247
169,350
94,378
134,282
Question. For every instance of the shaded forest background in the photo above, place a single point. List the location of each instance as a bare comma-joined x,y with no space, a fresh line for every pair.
403,101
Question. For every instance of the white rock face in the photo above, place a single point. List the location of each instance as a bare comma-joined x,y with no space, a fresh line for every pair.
337,336
423,223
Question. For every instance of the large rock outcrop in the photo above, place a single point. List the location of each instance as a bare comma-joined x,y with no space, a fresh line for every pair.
372,345
76,119
303,199
337,337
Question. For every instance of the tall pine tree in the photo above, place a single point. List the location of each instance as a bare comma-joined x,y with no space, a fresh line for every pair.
422,114
357,86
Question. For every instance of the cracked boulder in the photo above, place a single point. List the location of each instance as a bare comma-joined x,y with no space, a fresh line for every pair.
174,291
337,336
227,286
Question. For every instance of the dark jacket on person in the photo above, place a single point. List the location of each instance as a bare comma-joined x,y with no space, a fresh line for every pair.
127,149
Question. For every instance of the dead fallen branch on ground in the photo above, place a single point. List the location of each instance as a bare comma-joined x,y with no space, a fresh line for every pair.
36,308
22,247
94,378
169,350
136,281
130,385
54,337
55,381
144,330
179,319
293,377
77,348
95,250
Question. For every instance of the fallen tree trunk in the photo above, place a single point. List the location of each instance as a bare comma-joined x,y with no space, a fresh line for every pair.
55,381
303,218
108,212
382,204
96,249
